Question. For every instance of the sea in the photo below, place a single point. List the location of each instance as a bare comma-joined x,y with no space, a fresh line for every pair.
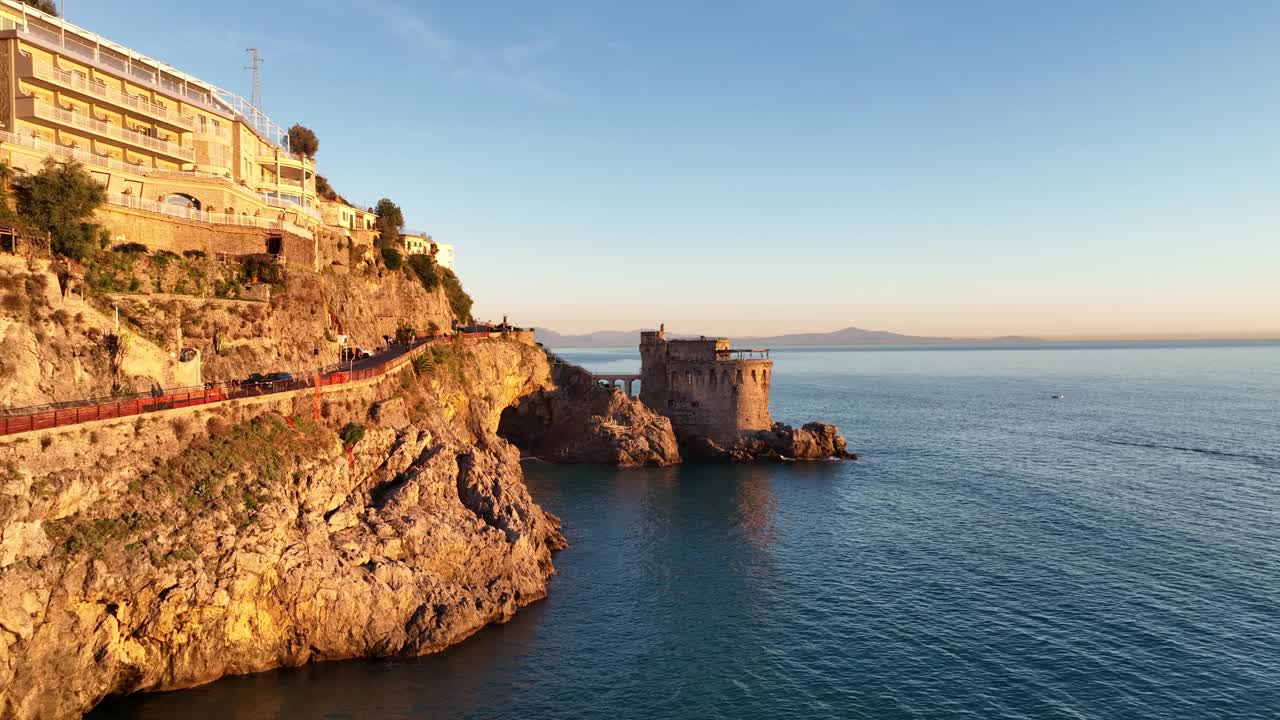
996,553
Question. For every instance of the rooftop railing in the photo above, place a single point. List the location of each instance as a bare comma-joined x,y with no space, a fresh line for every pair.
93,48
106,55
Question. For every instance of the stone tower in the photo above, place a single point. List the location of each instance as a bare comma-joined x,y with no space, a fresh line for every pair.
704,386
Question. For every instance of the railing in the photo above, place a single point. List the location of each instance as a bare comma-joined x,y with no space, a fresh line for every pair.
188,213
98,50
70,79
46,417
103,53
51,112
68,153
287,204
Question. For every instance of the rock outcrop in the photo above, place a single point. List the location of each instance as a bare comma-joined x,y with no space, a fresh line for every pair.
813,441
268,543
583,422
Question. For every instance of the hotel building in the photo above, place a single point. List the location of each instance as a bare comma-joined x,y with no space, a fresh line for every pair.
187,165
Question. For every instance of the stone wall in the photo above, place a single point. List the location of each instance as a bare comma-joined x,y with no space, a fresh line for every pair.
178,235
702,395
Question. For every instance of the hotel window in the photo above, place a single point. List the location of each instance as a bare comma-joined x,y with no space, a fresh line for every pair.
203,120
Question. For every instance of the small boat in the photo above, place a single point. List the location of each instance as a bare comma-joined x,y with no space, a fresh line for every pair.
1056,396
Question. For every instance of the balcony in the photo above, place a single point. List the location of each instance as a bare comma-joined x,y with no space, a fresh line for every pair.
105,55
287,204
34,107
106,161
44,71
186,213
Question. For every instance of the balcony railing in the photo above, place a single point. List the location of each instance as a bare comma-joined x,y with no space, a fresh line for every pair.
287,204
70,79
100,55
67,117
187,213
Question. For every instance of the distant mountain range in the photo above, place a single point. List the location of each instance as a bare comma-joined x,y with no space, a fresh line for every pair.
847,336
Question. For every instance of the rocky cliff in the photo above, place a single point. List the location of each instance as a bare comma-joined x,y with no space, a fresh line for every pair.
268,540
813,441
52,322
583,422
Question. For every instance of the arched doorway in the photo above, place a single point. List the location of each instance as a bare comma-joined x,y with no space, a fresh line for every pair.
182,200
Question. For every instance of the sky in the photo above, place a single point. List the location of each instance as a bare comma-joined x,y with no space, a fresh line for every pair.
979,168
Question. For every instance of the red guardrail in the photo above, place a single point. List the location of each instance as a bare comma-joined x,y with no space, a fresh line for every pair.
74,415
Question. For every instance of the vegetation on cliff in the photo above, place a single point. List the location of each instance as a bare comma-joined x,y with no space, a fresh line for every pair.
60,200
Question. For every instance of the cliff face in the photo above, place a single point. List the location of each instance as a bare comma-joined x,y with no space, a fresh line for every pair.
268,543
582,422
51,346
297,328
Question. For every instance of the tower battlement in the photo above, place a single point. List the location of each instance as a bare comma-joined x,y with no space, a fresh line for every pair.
705,386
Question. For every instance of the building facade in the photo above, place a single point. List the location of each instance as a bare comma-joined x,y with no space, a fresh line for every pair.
187,165
163,142
704,386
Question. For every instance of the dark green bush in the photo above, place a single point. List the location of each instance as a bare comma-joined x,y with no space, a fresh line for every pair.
262,268
351,433
459,300
391,258
424,267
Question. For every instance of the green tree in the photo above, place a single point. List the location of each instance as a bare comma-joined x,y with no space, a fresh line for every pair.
389,223
303,140
61,199
45,6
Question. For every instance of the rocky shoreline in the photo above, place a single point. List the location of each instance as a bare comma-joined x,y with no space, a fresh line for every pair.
581,421
259,538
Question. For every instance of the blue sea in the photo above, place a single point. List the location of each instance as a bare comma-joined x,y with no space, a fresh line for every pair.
996,553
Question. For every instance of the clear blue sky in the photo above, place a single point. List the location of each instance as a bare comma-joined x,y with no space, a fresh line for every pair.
965,168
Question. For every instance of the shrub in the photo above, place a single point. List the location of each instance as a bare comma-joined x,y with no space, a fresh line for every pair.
423,364
263,268
391,258
60,199
131,248
459,300
424,266
351,433
193,254
324,189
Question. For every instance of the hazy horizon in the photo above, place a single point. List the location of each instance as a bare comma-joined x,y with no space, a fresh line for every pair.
932,168
1190,337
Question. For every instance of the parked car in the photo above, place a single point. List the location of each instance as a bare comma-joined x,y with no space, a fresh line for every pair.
265,381
276,378
353,353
